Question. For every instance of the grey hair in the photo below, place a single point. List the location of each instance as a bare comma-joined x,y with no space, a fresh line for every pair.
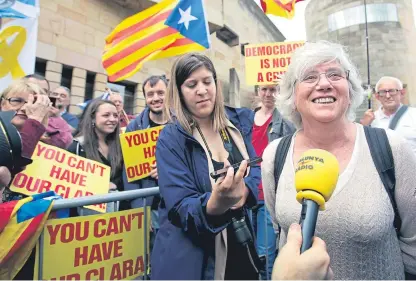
66,90
389,78
307,57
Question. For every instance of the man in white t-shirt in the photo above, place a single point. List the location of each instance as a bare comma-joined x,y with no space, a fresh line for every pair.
389,91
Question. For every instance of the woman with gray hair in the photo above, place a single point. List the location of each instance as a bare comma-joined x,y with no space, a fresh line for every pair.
320,92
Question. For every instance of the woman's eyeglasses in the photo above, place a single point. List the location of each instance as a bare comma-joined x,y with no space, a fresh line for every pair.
332,76
16,101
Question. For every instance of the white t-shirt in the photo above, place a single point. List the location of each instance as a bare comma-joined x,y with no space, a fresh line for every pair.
406,127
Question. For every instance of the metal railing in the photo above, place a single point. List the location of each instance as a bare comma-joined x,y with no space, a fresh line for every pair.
98,199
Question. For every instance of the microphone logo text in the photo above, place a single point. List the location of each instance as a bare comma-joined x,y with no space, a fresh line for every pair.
305,163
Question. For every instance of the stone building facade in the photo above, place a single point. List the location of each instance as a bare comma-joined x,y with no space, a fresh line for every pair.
71,37
391,30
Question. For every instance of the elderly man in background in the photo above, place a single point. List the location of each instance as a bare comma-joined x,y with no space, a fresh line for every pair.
63,95
392,114
117,99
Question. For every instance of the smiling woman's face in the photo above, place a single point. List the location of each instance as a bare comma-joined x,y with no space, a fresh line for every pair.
322,94
106,119
199,93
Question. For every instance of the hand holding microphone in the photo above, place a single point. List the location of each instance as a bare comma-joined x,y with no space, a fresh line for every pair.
316,177
311,265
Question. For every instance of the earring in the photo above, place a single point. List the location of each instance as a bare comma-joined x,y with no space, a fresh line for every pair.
93,124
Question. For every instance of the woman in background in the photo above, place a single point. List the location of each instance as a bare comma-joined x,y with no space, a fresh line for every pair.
98,139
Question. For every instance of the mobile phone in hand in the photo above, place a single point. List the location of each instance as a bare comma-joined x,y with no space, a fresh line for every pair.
53,101
222,172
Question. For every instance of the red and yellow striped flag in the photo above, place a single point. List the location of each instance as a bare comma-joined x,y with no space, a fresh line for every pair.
148,36
280,8
21,223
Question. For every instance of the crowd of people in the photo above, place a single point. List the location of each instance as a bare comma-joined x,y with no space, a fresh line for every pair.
242,224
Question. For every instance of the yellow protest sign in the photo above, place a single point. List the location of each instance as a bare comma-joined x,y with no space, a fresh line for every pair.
265,63
99,247
67,174
139,149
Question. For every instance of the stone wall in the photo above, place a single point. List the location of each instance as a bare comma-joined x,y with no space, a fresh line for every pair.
391,44
73,32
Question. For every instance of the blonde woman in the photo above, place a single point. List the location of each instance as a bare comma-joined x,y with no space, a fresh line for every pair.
31,105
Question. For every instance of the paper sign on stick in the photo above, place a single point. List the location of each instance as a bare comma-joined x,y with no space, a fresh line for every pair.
265,63
67,174
139,149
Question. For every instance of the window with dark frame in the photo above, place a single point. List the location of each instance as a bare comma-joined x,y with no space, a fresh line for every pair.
129,98
66,78
40,66
89,86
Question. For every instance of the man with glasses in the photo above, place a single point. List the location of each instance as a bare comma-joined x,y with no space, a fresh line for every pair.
392,114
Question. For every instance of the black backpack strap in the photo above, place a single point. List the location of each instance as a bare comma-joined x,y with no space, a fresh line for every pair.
397,116
383,160
279,162
280,157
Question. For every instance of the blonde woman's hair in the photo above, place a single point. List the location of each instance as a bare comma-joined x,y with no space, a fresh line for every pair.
21,86
175,107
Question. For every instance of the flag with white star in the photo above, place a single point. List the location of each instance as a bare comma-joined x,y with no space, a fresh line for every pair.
169,28
189,19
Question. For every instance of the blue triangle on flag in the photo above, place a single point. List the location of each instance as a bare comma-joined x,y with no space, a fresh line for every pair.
189,18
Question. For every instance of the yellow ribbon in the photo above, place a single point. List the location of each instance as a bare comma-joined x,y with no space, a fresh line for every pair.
9,54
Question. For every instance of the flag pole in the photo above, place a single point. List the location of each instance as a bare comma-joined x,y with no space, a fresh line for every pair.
368,57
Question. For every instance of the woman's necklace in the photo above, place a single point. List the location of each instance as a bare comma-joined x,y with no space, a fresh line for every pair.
104,151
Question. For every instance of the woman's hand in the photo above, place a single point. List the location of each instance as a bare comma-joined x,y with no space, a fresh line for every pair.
112,186
153,172
38,110
243,200
228,191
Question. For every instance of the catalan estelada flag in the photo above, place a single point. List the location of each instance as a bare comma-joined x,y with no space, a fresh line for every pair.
169,28
21,223
280,8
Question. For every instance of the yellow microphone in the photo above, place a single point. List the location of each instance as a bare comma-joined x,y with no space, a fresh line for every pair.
316,177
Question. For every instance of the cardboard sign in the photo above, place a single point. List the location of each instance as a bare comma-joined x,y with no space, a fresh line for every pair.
265,63
139,149
99,247
67,174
